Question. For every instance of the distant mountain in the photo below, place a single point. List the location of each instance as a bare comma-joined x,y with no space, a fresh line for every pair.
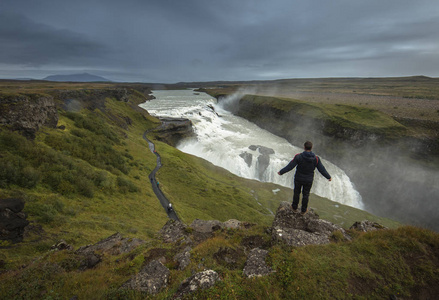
84,77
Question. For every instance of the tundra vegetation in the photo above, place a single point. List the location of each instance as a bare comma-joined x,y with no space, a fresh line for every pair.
88,178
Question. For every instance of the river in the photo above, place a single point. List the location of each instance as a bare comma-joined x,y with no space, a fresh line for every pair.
241,147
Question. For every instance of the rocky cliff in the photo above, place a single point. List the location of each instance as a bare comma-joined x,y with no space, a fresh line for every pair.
27,112
372,156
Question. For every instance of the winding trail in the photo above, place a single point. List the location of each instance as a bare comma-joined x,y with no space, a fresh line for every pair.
155,184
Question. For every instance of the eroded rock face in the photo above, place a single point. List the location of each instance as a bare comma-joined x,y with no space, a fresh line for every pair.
12,219
256,265
367,226
151,279
28,112
296,229
202,280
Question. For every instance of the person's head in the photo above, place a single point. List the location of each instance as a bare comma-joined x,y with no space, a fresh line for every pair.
308,146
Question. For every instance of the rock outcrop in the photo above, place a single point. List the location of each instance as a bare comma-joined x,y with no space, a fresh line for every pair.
151,279
113,245
296,229
172,130
12,219
27,113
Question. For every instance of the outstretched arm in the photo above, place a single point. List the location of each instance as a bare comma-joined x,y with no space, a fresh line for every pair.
290,166
323,171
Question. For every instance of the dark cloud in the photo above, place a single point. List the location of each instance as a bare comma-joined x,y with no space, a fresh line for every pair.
169,41
25,42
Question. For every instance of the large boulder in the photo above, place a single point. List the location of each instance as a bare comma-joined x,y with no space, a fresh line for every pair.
12,219
296,229
151,279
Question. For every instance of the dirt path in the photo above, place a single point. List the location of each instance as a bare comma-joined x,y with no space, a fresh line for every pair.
156,185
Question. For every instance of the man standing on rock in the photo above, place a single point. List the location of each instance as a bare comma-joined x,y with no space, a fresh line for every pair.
306,163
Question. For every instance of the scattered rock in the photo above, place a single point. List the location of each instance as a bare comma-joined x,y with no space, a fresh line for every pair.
296,229
113,245
183,258
202,280
232,224
256,265
151,279
367,226
61,245
12,219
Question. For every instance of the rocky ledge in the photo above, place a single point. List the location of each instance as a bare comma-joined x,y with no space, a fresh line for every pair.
172,130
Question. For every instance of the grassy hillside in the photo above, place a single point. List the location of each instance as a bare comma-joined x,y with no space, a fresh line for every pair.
89,180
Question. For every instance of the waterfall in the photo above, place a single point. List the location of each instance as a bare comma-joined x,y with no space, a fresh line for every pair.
242,147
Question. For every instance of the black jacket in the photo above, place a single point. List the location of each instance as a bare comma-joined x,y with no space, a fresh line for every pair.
306,163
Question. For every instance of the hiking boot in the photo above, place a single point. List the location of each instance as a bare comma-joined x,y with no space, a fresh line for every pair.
304,212
294,209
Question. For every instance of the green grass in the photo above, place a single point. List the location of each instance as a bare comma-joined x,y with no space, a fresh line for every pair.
86,182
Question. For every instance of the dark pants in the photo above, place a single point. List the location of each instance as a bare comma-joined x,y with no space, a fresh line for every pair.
304,188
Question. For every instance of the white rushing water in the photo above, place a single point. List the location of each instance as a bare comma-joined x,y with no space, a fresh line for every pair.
242,147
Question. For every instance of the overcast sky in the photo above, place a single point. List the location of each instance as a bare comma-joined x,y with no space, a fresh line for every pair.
201,40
